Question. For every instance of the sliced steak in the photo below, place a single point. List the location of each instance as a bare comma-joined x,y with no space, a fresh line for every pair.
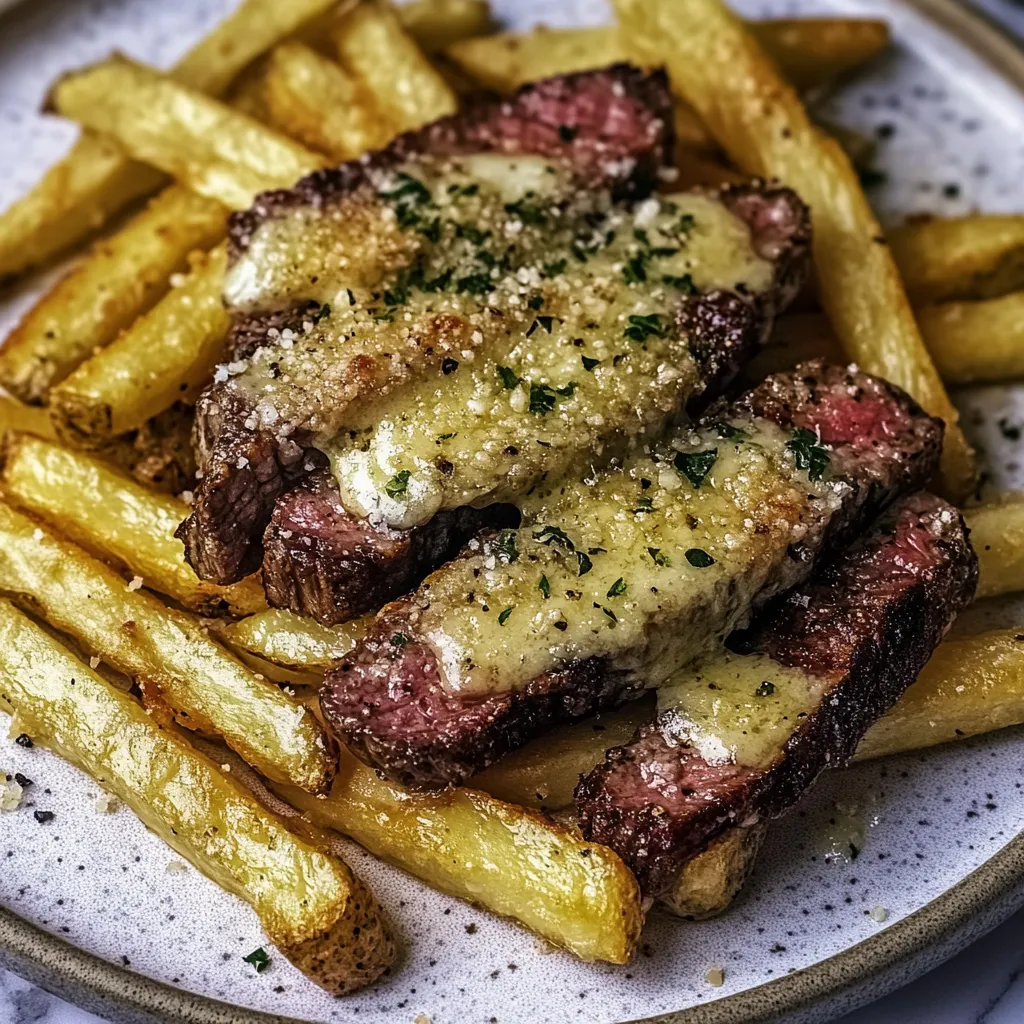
613,128
613,583
816,672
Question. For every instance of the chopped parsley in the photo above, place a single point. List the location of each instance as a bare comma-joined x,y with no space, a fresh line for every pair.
398,485
644,504
474,284
810,455
589,364
408,190
536,302
611,615
555,268
505,545
635,269
543,396
618,588
699,558
766,689
447,437
658,557
684,282
695,466
553,535
544,586
324,312
471,234
585,564
259,959
509,378
729,433
541,321
642,327
399,640
503,615
528,213
449,366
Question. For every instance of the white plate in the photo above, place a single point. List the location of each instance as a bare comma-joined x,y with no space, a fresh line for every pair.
929,820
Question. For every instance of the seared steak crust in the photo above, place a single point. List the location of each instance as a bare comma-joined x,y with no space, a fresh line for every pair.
865,626
387,701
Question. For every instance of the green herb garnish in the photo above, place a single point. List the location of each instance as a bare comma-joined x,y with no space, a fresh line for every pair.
589,364
544,586
509,378
617,588
695,466
505,545
585,564
553,535
474,284
658,557
699,558
259,959
642,327
766,689
684,282
399,640
810,455
555,268
635,269
503,615
397,486
324,312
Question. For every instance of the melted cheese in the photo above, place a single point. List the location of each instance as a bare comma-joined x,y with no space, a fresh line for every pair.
737,708
658,571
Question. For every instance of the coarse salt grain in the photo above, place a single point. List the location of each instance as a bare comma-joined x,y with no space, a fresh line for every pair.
176,867
10,794
878,914
94,662
136,583
106,803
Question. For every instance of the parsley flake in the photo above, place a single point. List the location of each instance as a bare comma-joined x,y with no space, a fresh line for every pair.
729,432
503,615
505,545
474,284
766,689
642,327
589,364
542,399
542,321
324,312
509,378
684,282
553,535
398,485
399,640
585,564
259,959
695,466
555,268
658,557
618,588
528,213
810,455
635,269
544,586
699,558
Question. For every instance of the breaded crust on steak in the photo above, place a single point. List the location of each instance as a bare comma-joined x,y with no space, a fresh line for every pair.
622,137
388,703
859,634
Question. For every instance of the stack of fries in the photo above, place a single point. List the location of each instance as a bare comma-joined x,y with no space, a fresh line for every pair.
134,331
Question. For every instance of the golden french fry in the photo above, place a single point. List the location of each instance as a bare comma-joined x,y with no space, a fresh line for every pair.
30,418
292,640
318,914
96,179
110,514
997,535
577,895
435,24
122,277
168,651
979,256
204,144
314,100
166,356
761,123
371,43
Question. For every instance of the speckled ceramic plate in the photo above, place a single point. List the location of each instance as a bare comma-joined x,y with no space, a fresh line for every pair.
91,911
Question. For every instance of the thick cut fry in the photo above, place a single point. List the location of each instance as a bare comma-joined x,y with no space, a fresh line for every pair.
122,277
204,144
314,100
96,180
166,650
761,123
313,908
980,256
292,640
119,519
371,43
29,418
810,51
167,355
435,24
577,895
997,535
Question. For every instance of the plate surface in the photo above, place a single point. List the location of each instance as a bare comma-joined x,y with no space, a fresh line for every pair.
949,124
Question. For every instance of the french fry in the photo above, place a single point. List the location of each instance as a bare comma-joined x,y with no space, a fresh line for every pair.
214,150
293,641
979,256
436,24
30,418
997,536
172,656
166,356
577,895
122,277
371,43
314,100
96,180
113,516
810,51
762,125
318,914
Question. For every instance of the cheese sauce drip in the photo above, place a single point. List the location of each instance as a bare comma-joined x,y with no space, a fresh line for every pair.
738,709
651,564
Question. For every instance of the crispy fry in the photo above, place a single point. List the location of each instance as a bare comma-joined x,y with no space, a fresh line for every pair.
810,51
435,24
117,518
314,100
167,355
206,145
310,904
293,641
761,123
122,277
29,418
577,895
371,43
980,256
167,650
997,535
96,180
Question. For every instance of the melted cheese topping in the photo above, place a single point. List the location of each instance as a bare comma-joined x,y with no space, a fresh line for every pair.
650,564
737,709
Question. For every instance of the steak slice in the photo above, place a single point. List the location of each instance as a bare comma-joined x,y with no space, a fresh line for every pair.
320,561
611,128
613,583
742,735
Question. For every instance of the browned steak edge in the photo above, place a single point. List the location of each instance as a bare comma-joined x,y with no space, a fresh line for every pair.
387,702
867,624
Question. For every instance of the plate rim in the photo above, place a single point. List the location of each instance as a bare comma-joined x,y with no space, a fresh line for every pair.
884,961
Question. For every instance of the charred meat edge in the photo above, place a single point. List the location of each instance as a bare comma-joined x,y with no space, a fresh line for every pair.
321,561
865,627
389,705
244,471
